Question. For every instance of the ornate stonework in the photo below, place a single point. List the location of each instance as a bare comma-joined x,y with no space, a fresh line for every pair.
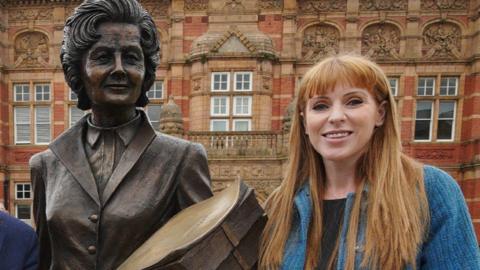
270,4
381,41
196,5
233,6
157,8
383,5
320,41
41,14
442,41
315,6
31,50
444,4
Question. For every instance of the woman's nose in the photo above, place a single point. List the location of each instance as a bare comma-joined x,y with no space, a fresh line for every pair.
337,114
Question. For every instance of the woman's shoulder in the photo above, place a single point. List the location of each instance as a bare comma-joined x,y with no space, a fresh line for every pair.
437,180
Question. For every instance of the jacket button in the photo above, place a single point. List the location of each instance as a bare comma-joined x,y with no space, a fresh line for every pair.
93,218
92,249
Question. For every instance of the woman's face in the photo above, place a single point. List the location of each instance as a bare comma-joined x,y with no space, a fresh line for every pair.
341,123
114,67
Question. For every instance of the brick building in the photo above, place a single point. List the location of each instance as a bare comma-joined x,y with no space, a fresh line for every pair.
232,67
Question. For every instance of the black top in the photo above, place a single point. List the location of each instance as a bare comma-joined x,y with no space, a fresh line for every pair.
332,222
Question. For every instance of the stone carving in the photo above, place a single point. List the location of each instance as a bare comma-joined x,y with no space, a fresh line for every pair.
315,6
171,121
381,41
437,154
266,83
157,8
197,84
31,50
44,14
196,5
444,4
270,4
442,40
383,4
237,46
320,41
233,6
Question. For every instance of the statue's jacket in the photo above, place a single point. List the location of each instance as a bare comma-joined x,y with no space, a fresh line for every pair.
157,176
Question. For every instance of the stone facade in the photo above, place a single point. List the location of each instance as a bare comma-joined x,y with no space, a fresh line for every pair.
429,48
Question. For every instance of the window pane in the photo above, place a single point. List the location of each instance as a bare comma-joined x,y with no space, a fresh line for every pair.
219,81
219,125
219,106
448,86
241,125
23,211
153,112
22,92
75,114
22,124
425,86
42,92
422,130
447,109
393,85
42,124
156,92
445,129
424,110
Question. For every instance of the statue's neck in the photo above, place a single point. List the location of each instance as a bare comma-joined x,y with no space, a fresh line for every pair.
112,116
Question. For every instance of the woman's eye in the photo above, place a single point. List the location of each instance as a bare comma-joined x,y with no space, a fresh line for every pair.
101,58
354,102
319,107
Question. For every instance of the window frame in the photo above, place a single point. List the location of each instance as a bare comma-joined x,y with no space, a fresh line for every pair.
22,94
153,90
227,106
212,81
30,191
235,113
431,119
226,120
436,98
15,124
248,120
453,120
43,93
425,86
250,82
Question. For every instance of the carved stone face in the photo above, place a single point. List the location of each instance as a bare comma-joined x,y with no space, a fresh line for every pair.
114,68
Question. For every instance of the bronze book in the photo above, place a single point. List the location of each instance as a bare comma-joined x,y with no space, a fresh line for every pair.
221,232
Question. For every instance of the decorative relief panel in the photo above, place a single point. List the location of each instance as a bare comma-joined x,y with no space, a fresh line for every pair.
391,5
435,154
442,41
157,8
320,41
381,41
315,6
444,4
196,5
270,4
42,14
233,6
31,50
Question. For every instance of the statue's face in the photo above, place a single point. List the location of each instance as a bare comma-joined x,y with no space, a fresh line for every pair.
114,68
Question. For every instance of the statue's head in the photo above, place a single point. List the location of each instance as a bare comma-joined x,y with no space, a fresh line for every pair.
121,24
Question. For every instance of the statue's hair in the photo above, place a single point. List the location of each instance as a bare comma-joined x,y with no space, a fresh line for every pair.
80,33
397,214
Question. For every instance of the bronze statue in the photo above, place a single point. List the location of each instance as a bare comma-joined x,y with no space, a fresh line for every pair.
108,183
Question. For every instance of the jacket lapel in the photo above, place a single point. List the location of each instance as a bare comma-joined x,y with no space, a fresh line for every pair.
69,150
131,155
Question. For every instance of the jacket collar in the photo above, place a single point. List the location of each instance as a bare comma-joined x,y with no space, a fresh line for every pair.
69,149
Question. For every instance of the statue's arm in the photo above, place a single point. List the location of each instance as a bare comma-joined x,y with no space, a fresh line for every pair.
38,183
193,177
